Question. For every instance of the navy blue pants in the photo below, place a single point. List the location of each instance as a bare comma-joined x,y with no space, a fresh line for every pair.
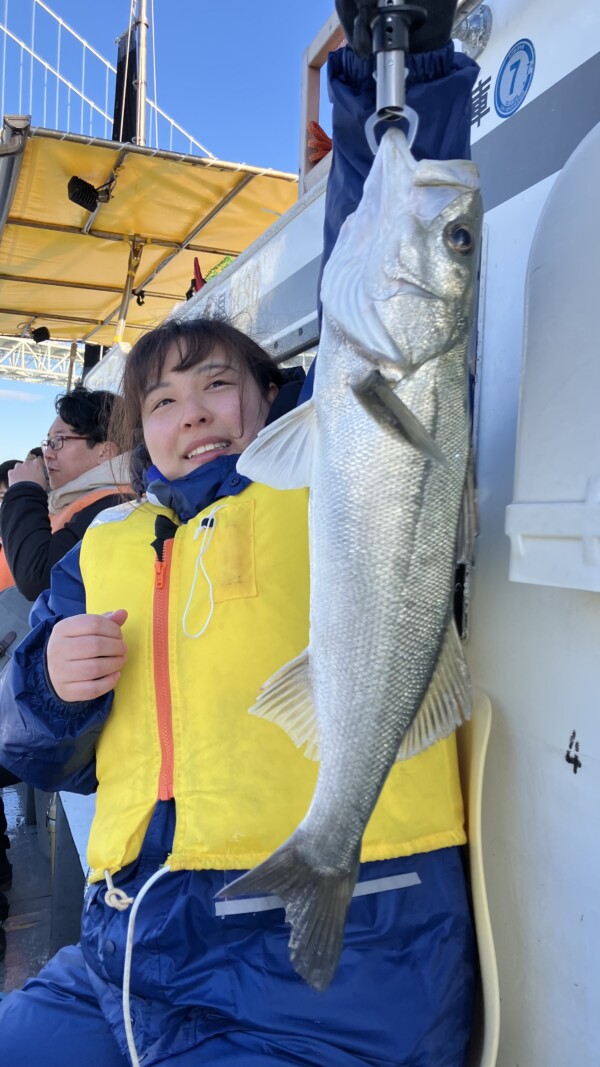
219,989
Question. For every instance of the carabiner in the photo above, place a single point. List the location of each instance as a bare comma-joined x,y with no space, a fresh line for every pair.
391,115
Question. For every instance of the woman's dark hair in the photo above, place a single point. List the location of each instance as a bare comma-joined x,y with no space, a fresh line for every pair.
195,340
5,468
88,411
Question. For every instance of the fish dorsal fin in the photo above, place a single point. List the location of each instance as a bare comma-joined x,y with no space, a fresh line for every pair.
380,400
286,700
447,702
283,454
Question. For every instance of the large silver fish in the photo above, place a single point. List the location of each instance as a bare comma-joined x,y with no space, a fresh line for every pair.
383,445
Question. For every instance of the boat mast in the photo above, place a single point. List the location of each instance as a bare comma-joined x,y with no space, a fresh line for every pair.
142,85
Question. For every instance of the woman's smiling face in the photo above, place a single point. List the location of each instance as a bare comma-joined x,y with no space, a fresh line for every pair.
191,416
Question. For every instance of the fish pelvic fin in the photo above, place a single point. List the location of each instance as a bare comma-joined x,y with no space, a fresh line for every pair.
283,453
380,400
316,905
447,702
286,699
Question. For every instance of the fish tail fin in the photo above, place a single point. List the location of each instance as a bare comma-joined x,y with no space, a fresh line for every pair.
316,906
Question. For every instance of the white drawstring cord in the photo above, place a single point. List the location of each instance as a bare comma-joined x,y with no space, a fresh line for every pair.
207,527
127,965
115,898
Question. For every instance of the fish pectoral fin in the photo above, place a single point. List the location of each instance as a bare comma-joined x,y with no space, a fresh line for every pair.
380,400
468,524
283,454
447,702
286,700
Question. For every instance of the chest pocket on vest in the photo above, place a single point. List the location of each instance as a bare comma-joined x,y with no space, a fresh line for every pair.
228,559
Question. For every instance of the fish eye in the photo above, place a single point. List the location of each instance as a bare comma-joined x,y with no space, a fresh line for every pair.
459,238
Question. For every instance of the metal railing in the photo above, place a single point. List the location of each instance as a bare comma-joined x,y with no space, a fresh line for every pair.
23,360
51,73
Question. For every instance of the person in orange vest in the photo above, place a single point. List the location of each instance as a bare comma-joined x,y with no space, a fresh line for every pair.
5,866
6,578
85,474
82,469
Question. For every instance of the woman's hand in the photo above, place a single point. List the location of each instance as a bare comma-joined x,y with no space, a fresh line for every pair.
31,470
85,655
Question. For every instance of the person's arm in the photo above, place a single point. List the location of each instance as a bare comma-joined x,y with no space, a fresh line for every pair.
26,536
45,740
439,83
438,87
32,549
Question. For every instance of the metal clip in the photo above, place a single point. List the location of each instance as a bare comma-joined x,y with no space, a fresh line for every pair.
407,113
390,29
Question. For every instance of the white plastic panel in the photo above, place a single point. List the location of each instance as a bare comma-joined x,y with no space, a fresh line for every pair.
554,520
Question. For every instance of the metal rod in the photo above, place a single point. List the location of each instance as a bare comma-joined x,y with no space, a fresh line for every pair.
87,286
31,60
54,317
142,82
3,61
135,254
12,147
194,161
197,229
57,80
72,358
106,235
182,245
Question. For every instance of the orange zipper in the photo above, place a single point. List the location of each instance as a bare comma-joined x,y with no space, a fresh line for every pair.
162,680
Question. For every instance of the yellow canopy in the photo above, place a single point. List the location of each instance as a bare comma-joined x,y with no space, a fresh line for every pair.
66,268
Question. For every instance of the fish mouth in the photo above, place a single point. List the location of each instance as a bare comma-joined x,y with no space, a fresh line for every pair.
405,287
413,289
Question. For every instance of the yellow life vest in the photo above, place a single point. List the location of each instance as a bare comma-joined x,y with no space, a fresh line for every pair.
226,607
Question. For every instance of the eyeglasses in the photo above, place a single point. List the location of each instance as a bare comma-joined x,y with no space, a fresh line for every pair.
56,443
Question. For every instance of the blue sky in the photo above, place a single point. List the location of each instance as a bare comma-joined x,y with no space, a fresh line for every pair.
228,72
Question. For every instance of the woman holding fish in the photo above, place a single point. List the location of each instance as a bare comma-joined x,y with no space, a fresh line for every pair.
137,678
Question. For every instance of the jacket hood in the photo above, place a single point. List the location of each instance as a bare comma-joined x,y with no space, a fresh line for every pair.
112,474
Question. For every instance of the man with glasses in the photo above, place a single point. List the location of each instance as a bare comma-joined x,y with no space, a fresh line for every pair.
37,528
85,475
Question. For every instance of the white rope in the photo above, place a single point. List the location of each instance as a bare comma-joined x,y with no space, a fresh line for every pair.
115,898
207,528
127,964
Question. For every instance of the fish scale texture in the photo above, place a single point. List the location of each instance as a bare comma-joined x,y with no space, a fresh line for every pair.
384,516
387,432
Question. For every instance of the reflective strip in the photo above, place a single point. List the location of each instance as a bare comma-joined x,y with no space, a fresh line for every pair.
250,905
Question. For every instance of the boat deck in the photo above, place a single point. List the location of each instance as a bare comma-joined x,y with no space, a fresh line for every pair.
28,927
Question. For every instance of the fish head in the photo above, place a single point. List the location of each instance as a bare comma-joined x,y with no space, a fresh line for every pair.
399,282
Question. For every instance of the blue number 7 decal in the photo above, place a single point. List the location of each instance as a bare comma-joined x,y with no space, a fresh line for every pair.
514,67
